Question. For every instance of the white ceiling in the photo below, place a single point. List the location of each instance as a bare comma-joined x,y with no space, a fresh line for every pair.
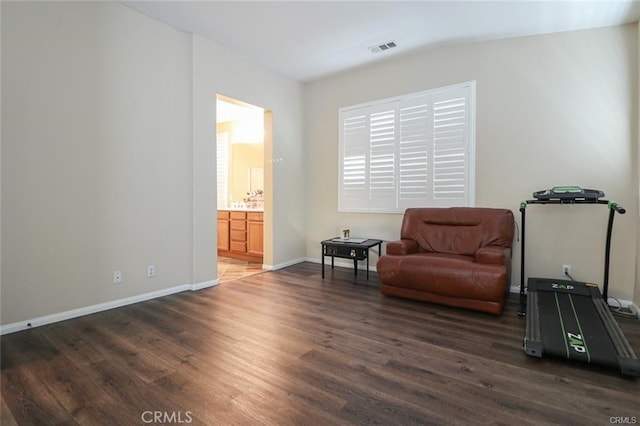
308,40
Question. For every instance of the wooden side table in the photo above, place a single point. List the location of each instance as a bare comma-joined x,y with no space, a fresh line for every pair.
351,248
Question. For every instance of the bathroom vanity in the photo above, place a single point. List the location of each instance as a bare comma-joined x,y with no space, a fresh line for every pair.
240,234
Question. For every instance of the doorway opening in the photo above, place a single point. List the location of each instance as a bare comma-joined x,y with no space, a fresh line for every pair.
243,132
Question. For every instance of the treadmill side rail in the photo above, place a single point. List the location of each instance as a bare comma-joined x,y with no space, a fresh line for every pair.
629,366
627,360
532,342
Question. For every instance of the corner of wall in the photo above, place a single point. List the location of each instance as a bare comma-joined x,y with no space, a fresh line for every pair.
636,295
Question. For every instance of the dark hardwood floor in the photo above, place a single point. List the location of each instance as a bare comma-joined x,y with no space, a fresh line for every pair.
287,347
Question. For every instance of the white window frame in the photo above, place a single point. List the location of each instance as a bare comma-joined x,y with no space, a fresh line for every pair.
374,136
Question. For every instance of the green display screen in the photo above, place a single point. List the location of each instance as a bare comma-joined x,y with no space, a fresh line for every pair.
565,189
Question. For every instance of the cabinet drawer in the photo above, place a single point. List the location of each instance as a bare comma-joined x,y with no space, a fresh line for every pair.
238,225
255,216
239,246
223,214
239,236
346,252
238,215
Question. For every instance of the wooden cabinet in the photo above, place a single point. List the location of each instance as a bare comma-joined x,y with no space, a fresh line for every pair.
223,231
255,231
240,234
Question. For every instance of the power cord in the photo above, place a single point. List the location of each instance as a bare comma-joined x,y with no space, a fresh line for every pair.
619,310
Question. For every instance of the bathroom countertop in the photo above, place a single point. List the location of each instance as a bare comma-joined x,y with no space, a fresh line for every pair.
241,209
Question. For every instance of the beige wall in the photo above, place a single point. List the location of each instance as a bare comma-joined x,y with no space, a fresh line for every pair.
551,110
240,79
96,160
108,155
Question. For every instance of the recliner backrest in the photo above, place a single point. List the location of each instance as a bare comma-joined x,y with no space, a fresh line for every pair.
458,230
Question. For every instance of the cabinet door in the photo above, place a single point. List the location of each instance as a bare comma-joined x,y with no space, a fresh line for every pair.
255,240
223,234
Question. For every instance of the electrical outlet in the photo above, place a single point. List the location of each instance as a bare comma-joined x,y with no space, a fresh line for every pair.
117,277
566,270
151,271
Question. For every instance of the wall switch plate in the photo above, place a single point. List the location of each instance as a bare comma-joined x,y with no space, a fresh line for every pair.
117,277
151,271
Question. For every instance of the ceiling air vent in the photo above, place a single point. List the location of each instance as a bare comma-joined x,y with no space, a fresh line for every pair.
382,47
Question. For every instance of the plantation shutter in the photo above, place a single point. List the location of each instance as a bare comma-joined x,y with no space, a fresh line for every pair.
354,152
382,164
411,151
450,147
415,146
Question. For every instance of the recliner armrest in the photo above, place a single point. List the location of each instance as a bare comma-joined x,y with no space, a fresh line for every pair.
493,255
402,247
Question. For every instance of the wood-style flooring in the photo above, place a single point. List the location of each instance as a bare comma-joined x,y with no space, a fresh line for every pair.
230,269
289,348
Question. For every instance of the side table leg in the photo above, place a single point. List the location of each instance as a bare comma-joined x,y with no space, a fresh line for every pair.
355,267
379,252
367,264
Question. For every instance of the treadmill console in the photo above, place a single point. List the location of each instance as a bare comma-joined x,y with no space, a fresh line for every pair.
568,193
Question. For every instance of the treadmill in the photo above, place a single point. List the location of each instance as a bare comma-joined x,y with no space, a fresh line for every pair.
571,319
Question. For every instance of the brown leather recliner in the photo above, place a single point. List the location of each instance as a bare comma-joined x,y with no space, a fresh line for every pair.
458,256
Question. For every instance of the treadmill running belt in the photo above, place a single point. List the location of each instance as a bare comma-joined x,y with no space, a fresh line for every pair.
573,328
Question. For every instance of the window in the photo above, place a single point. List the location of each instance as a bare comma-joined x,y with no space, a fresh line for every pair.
222,170
415,150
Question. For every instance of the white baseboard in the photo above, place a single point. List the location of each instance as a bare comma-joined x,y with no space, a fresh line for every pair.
74,313
204,284
283,265
344,263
